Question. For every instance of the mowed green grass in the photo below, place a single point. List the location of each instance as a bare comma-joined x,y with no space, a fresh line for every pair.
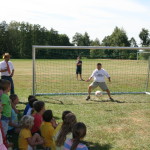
110,125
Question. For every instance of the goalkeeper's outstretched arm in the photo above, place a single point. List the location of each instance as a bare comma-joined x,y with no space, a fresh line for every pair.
88,79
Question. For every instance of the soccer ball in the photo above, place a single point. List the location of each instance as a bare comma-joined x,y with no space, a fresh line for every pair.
98,93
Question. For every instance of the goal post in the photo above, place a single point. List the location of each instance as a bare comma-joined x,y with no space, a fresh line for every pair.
54,73
148,78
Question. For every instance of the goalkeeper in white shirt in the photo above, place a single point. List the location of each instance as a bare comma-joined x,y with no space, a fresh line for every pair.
99,80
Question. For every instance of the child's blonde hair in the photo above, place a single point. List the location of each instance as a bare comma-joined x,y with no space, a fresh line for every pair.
27,121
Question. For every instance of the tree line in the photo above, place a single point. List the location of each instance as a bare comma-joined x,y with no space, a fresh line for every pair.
17,38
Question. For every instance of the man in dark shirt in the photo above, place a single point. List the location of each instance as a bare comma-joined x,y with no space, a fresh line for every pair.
79,68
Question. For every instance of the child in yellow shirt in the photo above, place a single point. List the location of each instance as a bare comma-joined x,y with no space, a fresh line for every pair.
26,140
47,130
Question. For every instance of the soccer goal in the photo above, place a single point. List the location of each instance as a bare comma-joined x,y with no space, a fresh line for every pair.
54,69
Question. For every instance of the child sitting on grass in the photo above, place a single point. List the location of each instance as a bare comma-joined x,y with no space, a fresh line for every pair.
39,107
28,105
6,113
31,109
60,124
2,146
47,130
14,127
26,140
79,132
1,88
65,131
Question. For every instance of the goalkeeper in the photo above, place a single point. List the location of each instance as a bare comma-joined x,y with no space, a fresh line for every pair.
99,80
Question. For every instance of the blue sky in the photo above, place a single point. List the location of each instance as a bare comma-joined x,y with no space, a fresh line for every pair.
97,17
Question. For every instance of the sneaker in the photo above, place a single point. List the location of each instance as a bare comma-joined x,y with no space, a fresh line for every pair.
111,99
88,98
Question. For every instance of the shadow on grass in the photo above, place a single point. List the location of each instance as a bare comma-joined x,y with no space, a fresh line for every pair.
60,102
115,101
54,101
97,146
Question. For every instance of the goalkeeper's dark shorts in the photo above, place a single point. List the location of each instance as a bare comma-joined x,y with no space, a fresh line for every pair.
78,71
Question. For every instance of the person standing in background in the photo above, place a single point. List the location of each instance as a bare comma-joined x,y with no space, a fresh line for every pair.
7,70
79,68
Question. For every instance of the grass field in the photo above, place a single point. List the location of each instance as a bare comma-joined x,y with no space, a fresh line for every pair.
111,125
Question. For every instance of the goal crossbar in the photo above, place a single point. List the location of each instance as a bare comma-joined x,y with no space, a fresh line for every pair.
89,47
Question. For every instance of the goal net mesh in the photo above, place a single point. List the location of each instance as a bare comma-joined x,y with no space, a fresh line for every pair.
55,72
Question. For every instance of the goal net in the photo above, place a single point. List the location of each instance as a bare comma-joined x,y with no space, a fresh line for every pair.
143,55
54,69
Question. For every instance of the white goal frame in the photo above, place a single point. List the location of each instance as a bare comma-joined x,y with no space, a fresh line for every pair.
36,47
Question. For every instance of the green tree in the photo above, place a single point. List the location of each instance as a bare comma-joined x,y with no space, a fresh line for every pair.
117,38
145,37
107,41
133,42
14,38
78,39
4,37
86,39
145,41
82,40
133,53
96,53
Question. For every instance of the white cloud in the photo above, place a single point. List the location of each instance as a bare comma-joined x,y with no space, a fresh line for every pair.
97,17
